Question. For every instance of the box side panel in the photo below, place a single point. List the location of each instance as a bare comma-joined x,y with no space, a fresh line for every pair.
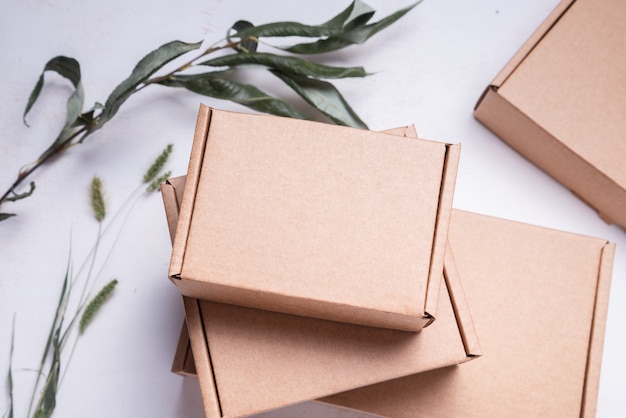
440,238
534,39
549,154
171,207
193,174
210,397
297,306
257,355
592,378
461,307
182,363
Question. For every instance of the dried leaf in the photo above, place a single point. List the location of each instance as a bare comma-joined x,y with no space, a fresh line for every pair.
70,69
247,44
47,401
5,216
65,67
324,97
355,35
9,412
244,94
20,196
357,13
288,65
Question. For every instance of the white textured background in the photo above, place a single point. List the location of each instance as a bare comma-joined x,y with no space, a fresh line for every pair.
430,68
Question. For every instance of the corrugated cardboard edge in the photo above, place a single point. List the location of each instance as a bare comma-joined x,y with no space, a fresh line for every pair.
530,145
204,367
170,202
183,363
530,44
598,325
189,196
442,224
461,307
459,303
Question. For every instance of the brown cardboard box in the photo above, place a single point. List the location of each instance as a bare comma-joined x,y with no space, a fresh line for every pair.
560,102
539,302
250,360
313,219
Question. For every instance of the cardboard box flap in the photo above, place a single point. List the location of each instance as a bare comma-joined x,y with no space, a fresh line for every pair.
247,359
440,239
461,307
534,39
202,360
312,231
596,343
183,362
186,205
525,49
514,273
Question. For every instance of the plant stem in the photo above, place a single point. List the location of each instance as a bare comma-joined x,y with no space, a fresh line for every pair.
53,150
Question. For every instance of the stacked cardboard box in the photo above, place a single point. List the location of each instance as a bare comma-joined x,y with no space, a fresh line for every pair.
539,301
351,248
299,246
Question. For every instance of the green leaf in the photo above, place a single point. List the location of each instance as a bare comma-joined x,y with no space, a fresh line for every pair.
357,13
70,69
148,65
324,97
247,44
9,412
247,95
22,195
360,35
288,65
48,397
5,216
87,118
283,29
356,35
47,400
65,67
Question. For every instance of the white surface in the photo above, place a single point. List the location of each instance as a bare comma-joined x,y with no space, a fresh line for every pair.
430,68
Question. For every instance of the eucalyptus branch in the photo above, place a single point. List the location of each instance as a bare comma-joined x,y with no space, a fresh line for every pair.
306,77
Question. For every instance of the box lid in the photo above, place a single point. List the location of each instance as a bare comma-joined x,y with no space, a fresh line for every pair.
247,360
314,219
539,301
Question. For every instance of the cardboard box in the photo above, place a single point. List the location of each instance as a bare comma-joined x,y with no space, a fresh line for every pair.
314,219
539,302
560,102
249,360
